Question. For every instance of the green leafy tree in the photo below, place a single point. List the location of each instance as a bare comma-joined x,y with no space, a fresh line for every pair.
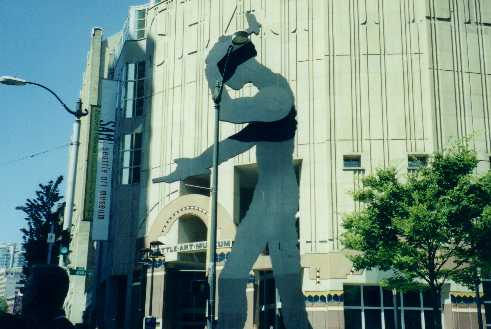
471,206
415,227
40,213
3,305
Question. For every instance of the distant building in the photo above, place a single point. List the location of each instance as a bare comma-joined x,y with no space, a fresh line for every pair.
19,258
7,255
11,262
3,282
11,255
14,276
17,308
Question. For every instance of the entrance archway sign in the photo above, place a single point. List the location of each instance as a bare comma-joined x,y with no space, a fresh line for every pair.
191,247
270,219
191,204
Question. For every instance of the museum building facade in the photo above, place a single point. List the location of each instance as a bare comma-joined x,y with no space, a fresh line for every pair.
377,83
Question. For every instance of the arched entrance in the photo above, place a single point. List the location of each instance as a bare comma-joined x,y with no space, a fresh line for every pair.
190,204
192,228
185,288
182,225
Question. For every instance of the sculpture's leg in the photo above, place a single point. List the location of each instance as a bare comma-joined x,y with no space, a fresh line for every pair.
285,258
232,302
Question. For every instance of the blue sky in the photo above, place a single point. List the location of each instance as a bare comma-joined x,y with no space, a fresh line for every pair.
45,42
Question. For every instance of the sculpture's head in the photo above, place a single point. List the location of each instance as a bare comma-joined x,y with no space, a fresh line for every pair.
238,70
241,66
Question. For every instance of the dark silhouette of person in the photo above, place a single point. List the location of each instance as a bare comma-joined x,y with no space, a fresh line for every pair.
44,293
11,321
270,219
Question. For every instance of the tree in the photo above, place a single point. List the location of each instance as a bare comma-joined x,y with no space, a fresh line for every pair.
41,211
471,206
3,305
414,227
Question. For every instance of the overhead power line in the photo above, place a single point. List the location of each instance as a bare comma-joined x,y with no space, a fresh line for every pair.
33,155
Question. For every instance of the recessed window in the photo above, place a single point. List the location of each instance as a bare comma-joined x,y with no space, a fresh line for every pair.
134,89
372,306
371,296
140,23
415,162
352,295
131,157
352,162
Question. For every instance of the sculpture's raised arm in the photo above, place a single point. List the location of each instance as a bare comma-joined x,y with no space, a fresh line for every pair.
187,167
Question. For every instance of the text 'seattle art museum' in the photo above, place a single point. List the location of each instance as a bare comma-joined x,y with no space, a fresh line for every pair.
317,94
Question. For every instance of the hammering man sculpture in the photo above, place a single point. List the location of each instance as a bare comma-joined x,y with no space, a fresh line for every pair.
270,219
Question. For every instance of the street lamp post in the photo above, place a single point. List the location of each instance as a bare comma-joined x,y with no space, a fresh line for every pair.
72,161
51,240
238,39
154,253
144,261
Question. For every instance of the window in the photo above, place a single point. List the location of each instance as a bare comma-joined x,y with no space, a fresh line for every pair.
131,156
415,162
352,162
140,23
134,89
352,296
487,301
372,307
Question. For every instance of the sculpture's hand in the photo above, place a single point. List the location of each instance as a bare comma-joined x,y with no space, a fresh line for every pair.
186,167
254,25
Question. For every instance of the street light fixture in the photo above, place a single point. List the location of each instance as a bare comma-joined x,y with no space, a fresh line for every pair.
72,162
155,249
12,81
238,38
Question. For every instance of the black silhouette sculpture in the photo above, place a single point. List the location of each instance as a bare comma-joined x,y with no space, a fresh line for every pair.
270,219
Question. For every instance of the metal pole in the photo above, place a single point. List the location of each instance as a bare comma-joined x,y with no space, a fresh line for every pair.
396,311
213,225
150,303
71,178
212,266
94,319
479,302
50,241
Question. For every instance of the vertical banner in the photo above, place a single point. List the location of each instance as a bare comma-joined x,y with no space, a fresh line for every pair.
105,136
